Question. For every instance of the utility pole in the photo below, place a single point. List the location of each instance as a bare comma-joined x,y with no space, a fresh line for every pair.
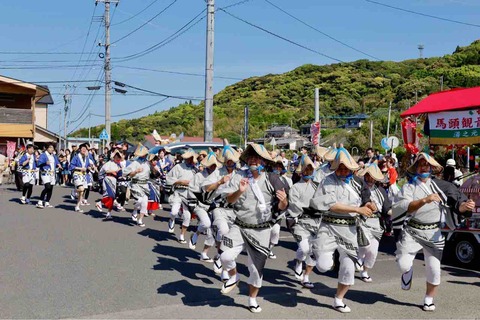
67,99
388,121
317,104
441,83
89,128
107,67
371,134
208,113
245,128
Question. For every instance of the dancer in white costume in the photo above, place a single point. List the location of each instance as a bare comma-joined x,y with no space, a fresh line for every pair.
424,204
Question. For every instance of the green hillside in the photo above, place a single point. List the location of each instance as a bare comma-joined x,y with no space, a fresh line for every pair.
345,89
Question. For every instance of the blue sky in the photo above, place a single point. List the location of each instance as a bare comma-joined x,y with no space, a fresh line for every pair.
241,51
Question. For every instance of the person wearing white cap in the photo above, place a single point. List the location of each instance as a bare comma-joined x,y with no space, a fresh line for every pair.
179,178
457,174
341,197
254,197
424,204
371,226
307,223
139,171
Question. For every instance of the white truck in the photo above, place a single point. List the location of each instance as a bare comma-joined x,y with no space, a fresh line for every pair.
462,246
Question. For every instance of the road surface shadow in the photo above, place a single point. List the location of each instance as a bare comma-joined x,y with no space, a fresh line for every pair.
115,218
362,296
288,297
197,295
188,270
458,272
464,282
158,235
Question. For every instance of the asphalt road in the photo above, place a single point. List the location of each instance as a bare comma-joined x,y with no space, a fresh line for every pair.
56,263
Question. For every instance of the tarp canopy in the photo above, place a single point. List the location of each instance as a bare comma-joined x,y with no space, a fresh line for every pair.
454,99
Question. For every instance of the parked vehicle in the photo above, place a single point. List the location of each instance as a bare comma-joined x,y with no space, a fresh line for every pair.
181,147
462,246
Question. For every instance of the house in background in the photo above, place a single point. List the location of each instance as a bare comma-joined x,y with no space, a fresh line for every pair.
18,101
355,121
284,137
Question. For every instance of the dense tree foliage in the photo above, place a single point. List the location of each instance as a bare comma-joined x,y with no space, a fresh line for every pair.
361,86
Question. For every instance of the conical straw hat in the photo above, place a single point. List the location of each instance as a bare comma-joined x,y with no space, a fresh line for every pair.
210,159
344,157
189,154
114,153
331,153
256,149
374,171
436,167
320,151
141,150
304,162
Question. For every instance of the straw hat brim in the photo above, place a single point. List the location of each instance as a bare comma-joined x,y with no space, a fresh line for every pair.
189,154
209,160
114,153
305,161
228,153
374,171
342,156
436,167
320,151
141,151
330,154
256,149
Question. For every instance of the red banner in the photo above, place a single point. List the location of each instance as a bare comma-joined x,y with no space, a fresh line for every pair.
315,131
11,148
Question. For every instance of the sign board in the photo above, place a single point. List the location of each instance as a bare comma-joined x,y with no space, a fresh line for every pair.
393,142
455,127
103,135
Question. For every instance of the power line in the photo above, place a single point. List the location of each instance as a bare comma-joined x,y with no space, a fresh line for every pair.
165,41
160,94
424,14
47,67
144,24
36,52
177,72
140,12
280,37
321,32
135,111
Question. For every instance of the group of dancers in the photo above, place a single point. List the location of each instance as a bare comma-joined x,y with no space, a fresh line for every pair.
240,200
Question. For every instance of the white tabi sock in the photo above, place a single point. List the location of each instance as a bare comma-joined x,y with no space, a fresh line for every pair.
204,255
305,278
428,300
364,274
338,302
252,302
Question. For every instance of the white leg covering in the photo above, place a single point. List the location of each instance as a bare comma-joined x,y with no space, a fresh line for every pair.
229,256
204,218
186,215
303,250
275,234
142,204
369,254
325,262
346,273
432,268
175,209
254,279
